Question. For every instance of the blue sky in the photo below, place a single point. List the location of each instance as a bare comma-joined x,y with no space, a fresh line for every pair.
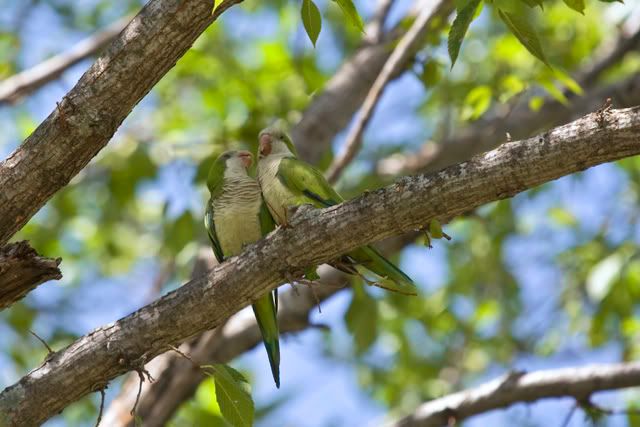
323,391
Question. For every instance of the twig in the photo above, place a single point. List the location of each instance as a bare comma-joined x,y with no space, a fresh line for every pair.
375,29
102,396
135,405
406,47
567,419
186,356
301,281
49,350
25,82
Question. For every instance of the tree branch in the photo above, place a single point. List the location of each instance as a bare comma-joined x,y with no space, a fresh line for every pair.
401,54
315,236
177,380
516,387
375,30
521,121
19,85
88,116
332,110
22,269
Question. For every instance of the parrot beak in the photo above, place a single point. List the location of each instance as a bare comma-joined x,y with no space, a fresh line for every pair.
265,144
246,158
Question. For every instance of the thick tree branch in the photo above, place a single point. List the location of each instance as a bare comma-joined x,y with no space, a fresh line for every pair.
176,380
520,121
22,269
405,49
25,82
88,116
516,387
314,237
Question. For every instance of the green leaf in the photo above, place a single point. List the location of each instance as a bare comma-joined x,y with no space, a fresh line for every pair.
349,9
603,275
232,395
569,82
362,319
525,33
477,101
536,103
577,5
311,19
459,28
562,217
556,93
430,73
533,3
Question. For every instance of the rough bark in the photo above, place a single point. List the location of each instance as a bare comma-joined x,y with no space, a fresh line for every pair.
27,81
517,387
22,269
176,377
314,237
176,380
520,121
88,116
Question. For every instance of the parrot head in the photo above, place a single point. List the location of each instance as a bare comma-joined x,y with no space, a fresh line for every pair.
228,164
274,141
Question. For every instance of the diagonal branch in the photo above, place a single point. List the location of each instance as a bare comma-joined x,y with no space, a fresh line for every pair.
375,30
517,387
314,237
22,269
27,81
176,380
332,110
521,121
406,48
87,117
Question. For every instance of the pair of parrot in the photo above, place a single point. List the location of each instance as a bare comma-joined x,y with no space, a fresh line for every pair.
242,209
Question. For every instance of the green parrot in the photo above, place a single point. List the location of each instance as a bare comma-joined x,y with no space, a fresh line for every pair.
286,181
235,217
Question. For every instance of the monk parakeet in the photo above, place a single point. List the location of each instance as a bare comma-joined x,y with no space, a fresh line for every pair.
286,181
235,217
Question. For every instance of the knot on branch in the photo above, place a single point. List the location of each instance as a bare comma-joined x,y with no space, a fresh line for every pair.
22,269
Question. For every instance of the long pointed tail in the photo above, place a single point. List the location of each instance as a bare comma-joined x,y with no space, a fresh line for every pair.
394,279
266,315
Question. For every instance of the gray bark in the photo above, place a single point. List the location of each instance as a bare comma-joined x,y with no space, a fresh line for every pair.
22,269
520,121
517,387
314,237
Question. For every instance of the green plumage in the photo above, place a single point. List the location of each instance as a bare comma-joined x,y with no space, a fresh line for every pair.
235,217
287,181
